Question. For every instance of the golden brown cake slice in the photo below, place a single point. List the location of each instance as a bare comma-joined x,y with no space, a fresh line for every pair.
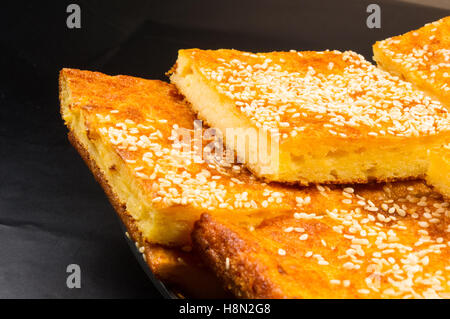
379,241
181,270
140,134
438,174
126,129
313,117
421,57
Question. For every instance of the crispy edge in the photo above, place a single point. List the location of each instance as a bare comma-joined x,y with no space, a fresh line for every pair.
184,271
245,279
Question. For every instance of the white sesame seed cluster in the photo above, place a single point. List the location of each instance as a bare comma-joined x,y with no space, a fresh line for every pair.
395,239
327,93
177,175
398,238
425,52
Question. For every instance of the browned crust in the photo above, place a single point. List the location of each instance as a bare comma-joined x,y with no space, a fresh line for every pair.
181,270
244,277
247,262
432,187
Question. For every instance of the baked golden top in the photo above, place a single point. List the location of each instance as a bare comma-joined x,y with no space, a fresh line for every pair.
141,121
445,151
327,93
366,241
425,52
137,119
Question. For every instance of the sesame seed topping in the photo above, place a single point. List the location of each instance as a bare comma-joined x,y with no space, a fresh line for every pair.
395,232
422,57
343,92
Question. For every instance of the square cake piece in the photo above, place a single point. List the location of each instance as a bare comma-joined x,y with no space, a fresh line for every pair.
313,117
398,246
421,57
438,174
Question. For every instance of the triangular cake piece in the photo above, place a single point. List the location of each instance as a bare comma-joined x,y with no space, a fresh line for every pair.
141,135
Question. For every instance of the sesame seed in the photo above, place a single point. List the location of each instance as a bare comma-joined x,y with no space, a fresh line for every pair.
364,291
349,190
423,224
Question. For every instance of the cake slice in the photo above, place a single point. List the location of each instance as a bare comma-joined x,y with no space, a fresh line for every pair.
438,174
155,165
124,129
127,130
180,270
421,57
378,241
312,117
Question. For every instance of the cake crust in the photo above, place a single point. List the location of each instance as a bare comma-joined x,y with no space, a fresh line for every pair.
341,253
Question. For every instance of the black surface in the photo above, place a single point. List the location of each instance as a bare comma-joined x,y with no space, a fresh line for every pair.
52,212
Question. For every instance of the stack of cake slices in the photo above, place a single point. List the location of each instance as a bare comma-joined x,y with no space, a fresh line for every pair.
295,174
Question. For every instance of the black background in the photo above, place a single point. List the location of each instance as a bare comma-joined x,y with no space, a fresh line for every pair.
52,212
